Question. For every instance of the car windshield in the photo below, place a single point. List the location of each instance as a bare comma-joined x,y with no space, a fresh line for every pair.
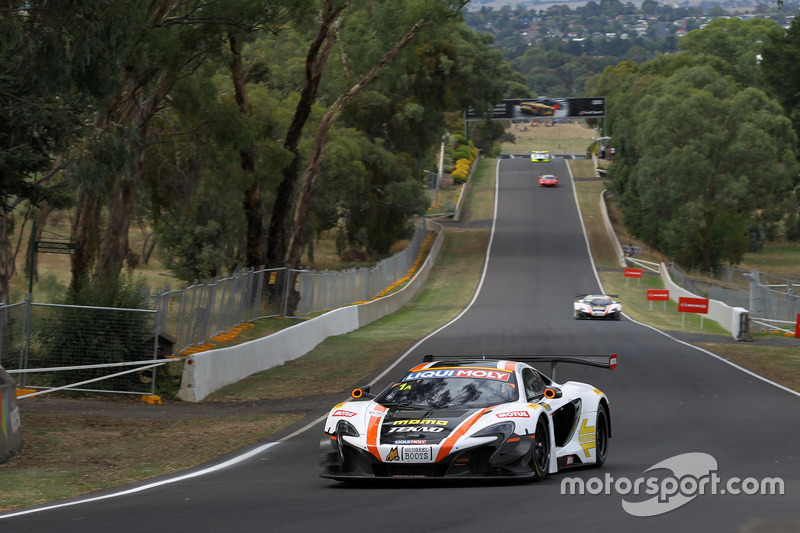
599,301
449,392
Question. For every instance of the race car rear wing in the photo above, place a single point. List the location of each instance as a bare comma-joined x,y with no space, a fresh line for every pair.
601,361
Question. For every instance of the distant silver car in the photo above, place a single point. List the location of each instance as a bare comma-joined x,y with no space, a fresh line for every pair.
597,306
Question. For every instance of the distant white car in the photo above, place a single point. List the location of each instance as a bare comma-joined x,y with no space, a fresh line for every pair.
597,306
540,156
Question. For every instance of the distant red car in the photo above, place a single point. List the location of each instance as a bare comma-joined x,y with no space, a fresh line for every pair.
548,180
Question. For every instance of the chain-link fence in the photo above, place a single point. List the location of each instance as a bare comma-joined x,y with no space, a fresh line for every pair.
322,290
79,348
194,314
88,348
765,296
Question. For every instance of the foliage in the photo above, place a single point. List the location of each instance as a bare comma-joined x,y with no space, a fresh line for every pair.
66,334
690,182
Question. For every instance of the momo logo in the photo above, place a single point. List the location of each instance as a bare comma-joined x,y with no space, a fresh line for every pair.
416,429
416,422
392,455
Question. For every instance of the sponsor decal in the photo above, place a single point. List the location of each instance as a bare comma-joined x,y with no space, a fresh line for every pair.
392,455
338,405
343,412
586,437
513,414
416,454
570,460
460,373
421,421
598,391
416,429
378,411
534,405
415,441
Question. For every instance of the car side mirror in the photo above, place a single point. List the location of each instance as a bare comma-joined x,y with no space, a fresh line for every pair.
552,392
361,392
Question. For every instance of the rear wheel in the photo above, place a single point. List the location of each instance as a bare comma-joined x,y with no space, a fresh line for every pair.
601,431
540,458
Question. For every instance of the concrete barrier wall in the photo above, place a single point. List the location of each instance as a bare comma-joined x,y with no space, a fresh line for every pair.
726,316
209,371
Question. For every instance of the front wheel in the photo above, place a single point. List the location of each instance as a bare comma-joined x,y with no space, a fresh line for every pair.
601,431
540,458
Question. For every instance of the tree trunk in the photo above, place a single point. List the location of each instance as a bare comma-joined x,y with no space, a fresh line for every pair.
114,245
306,192
85,234
317,56
253,210
6,259
40,219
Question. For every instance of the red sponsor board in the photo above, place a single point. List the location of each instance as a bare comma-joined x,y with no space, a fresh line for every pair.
658,295
612,361
633,272
797,328
693,305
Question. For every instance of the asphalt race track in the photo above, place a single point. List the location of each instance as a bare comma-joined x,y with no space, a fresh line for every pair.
667,399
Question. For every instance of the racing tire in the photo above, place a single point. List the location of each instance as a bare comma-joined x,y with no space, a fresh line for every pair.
601,432
540,455
617,316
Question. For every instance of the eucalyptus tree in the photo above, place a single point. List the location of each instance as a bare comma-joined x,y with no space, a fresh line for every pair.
739,43
708,156
170,41
57,60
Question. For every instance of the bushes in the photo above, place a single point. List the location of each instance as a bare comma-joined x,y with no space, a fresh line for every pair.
463,156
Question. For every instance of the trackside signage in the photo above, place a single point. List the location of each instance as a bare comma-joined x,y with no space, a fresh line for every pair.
633,272
693,305
658,295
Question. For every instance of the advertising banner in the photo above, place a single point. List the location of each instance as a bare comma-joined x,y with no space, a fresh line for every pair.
633,272
693,305
543,107
658,295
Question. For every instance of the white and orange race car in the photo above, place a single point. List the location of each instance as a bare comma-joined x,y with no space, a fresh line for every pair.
596,306
467,417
